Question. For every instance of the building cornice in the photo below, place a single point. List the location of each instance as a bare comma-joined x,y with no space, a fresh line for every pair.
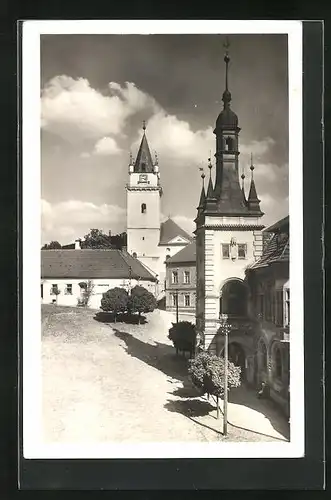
241,227
143,188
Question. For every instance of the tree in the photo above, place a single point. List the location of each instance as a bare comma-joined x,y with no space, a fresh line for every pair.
207,374
141,301
87,288
183,335
115,300
96,238
53,245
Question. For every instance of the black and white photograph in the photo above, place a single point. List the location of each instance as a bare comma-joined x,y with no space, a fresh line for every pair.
162,231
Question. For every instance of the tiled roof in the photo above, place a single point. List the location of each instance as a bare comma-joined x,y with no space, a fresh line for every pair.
277,250
92,264
187,254
169,231
282,225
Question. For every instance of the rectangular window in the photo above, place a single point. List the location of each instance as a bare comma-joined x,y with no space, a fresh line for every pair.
187,277
174,300
54,289
225,250
68,289
42,291
242,250
279,306
187,300
175,277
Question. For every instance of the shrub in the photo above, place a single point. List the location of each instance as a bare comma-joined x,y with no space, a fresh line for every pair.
207,374
183,336
141,301
115,300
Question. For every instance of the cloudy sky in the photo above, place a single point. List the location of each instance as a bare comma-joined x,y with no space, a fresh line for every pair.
97,89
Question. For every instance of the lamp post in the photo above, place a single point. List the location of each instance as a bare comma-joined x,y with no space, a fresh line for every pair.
226,328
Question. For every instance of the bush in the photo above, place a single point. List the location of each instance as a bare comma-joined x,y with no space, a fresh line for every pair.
115,300
141,301
207,374
183,336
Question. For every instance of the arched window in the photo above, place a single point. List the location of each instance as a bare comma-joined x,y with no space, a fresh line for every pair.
167,256
134,255
143,208
229,144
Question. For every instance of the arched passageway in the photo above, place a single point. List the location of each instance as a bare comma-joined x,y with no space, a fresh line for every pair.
233,299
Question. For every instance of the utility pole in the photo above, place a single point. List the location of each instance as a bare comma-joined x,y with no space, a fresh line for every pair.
226,329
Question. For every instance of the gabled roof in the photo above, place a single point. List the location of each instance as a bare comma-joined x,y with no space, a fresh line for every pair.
92,264
170,230
187,254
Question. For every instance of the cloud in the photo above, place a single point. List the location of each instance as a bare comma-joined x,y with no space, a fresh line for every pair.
74,110
106,146
68,220
175,141
257,148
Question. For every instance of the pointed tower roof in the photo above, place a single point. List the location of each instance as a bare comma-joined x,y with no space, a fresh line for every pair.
202,201
210,197
253,201
144,162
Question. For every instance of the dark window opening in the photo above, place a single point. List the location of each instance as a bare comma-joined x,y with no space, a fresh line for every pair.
242,250
68,290
134,255
42,291
229,144
143,208
225,250
54,290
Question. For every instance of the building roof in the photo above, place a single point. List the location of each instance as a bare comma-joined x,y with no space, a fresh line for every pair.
277,250
92,264
170,230
144,161
281,225
187,254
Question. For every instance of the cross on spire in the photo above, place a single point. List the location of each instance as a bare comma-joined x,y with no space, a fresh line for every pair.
144,125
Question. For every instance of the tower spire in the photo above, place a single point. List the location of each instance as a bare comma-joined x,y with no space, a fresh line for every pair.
144,162
253,201
226,94
203,193
243,184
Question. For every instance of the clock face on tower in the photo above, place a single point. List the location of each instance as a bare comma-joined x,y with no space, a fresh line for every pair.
143,178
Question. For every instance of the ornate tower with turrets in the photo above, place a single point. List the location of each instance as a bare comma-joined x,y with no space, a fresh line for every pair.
228,229
143,206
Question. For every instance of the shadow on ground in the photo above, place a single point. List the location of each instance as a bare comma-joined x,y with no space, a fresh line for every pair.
247,397
131,319
192,409
158,355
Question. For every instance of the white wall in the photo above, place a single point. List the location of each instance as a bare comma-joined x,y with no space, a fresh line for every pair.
100,286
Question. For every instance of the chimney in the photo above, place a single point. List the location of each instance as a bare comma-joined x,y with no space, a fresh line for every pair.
77,244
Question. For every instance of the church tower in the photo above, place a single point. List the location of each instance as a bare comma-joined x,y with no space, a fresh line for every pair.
143,206
228,230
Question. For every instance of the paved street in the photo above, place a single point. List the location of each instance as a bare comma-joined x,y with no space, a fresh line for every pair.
123,382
